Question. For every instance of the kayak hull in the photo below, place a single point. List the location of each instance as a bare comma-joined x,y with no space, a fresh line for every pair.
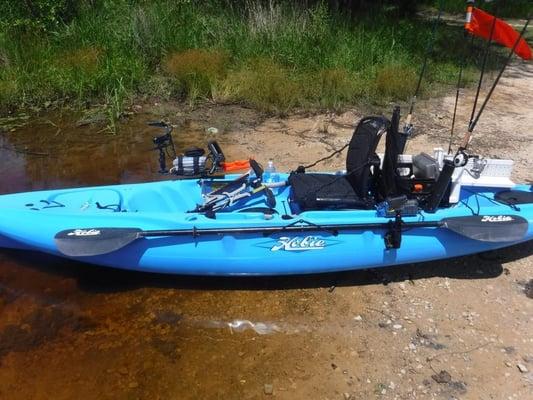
31,221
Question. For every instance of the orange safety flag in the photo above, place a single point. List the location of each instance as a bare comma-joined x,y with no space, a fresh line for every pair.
236,165
479,23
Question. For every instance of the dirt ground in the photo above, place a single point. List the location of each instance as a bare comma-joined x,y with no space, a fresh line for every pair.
456,329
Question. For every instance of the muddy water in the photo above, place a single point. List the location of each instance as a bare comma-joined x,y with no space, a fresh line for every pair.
69,330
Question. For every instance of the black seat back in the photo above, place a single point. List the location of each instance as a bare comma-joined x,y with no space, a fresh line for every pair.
362,152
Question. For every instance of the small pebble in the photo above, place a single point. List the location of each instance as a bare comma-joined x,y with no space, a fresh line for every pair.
442,377
522,368
268,388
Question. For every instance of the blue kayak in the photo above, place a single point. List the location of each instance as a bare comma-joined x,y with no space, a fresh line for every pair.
169,227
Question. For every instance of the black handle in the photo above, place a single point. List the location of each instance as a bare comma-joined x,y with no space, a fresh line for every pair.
270,198
258,171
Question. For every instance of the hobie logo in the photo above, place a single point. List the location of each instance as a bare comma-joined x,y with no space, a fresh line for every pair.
497,218
299,244
84,232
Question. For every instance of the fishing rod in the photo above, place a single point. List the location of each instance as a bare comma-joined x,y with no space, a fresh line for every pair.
468,135
468,20
461,157
485,57
408,126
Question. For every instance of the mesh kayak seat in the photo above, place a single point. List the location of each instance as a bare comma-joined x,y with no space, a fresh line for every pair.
312,191
326,191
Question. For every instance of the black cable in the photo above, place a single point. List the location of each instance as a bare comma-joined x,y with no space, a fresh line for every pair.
325,158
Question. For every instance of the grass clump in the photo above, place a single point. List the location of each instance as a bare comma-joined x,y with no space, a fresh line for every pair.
8,93
336,87
196,72
265,85
396,81
84,59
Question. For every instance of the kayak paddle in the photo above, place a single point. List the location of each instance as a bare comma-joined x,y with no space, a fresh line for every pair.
86,242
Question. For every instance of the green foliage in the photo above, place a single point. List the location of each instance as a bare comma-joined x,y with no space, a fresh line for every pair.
265,85
196,72
396,81
115,98
36,15
274,55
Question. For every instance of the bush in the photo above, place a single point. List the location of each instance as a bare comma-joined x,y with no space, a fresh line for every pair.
265,85
37,15
196,72
396,81
334,87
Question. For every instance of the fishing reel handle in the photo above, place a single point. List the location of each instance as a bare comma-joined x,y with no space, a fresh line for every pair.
461,158
161,124
166,138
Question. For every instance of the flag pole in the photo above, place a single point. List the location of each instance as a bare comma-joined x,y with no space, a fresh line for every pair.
502,70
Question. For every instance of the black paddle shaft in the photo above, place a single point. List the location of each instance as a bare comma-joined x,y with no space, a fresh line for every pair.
332,228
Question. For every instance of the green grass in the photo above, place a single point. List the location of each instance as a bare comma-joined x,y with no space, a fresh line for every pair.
274,57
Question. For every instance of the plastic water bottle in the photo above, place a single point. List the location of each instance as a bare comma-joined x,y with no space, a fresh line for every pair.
270,175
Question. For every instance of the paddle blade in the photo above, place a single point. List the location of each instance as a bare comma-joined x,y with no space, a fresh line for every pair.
94,241
489,228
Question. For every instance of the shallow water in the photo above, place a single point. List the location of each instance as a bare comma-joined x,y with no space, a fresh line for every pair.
69,330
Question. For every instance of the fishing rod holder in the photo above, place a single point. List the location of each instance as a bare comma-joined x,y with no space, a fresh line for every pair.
163,143
393,236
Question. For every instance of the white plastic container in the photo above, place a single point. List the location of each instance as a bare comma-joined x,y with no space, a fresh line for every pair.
494,174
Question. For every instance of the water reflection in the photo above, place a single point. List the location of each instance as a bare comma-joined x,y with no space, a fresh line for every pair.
58,154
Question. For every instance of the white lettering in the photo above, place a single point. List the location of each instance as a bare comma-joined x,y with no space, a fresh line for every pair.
497,218
299,244
84,232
